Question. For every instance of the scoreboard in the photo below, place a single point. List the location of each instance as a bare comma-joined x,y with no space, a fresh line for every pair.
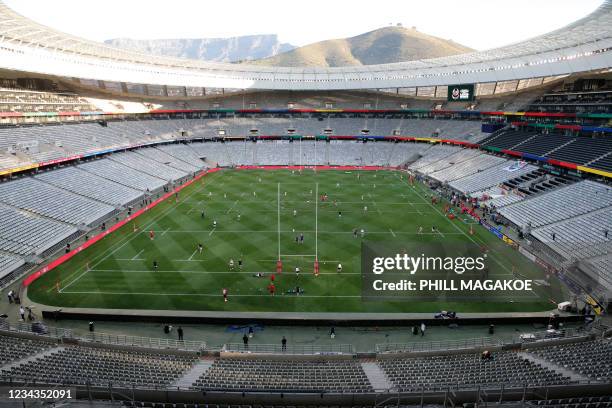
461,93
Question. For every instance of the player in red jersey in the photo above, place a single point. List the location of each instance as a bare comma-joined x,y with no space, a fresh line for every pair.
152,235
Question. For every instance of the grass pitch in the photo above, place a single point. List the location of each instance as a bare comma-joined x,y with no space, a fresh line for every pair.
254,211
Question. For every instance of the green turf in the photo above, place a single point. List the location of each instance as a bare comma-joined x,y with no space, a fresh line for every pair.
121,274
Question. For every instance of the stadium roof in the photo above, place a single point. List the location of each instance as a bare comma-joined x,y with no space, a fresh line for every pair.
582,46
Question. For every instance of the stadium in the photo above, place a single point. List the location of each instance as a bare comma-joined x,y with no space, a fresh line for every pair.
185,233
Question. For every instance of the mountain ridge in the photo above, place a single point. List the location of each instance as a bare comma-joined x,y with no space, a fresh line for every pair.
231,49
381,46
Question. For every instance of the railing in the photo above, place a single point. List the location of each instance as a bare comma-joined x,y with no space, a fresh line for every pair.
547,335
531,337
146,342
306,349
438,345
128,389
42,330
105,338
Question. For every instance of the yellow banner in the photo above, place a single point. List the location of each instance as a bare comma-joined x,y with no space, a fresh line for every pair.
427,139
18,169
595,171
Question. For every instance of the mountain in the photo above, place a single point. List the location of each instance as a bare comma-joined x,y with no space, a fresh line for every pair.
209,49
382,46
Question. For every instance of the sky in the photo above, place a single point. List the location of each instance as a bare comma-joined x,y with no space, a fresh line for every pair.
480,24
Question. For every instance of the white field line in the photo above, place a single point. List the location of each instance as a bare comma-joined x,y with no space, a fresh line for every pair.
358,211
278,219
463,232
316,198
201,272
413,206
129,238
306,231
321,261
194,252
135,257
307,195
232,207
207,294
218,295
377,209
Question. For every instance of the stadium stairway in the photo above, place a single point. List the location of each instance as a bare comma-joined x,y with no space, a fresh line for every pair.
191,376
559,147
377,377
554,367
